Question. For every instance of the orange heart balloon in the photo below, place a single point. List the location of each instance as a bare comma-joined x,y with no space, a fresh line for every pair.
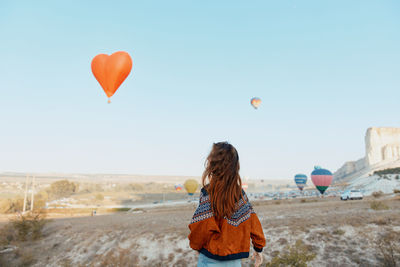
111,71
255,102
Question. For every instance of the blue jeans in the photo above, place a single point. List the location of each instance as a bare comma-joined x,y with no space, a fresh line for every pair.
205,261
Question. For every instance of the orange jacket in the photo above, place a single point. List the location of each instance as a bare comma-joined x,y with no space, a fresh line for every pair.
227,238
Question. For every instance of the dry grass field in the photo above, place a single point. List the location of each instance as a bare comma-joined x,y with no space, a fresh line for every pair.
338,233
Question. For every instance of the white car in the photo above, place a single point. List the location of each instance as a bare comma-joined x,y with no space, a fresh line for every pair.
351,194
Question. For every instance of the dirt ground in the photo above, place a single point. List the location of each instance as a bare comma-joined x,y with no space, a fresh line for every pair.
340,233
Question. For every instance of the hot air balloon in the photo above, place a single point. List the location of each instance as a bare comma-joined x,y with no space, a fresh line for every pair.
191,186
300,180
255,102
178,187
111,71
321,178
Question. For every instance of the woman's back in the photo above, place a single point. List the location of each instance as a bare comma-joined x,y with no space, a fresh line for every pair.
225,238
224,222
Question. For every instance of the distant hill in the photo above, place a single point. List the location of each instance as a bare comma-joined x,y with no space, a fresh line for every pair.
133,178
129,178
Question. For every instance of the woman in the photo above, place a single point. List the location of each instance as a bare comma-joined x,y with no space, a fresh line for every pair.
224,221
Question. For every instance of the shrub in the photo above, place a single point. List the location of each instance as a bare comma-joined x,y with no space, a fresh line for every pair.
338,232
303,200
37,224
297,255
6,259
277,202
7,235
389,249
396,191
66,263
387,171
26,258
19,257
377,194
381,221
121,257
28,226
378,205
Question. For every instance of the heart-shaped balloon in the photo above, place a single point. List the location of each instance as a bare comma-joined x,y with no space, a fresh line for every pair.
255,102
111,71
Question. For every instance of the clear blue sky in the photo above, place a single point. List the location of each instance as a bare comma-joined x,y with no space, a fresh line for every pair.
325,70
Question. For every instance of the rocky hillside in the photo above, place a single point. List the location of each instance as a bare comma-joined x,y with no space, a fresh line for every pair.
382,151
386,183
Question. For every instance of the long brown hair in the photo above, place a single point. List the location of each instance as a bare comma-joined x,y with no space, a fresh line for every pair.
222,171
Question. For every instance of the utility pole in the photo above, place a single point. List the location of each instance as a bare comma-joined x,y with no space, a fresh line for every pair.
33,190
26,194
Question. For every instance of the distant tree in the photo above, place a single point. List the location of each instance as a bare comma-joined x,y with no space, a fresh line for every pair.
43,195
62,188
39,201
16,204
11,205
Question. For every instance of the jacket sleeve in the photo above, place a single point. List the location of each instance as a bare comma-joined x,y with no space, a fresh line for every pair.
200,233
202,225
257,233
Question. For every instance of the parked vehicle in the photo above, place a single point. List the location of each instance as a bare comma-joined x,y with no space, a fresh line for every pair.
351,194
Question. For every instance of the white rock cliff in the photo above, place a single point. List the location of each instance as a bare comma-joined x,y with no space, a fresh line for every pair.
382,144
382,150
